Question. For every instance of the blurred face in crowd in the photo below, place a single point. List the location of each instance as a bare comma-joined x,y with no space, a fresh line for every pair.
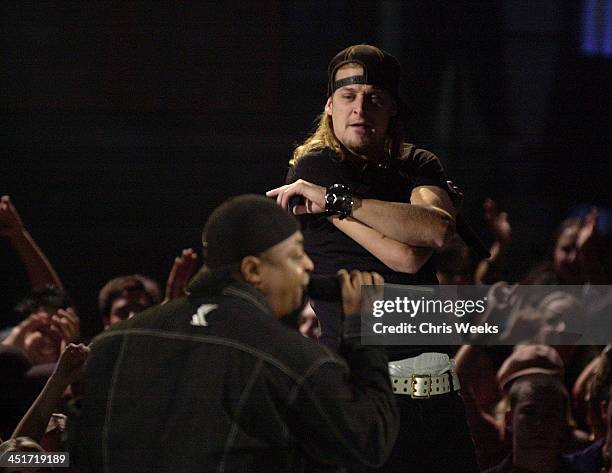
560,317
282,274
360,113
127,305
565,255
538,420
43,345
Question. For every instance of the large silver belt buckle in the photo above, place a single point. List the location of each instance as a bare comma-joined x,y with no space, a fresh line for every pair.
414,379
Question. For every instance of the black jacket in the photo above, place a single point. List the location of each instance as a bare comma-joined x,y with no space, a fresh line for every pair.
229,390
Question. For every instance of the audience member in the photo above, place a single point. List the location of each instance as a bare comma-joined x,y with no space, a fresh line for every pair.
490,270
591,459
537,419
124,296
576,255
49,324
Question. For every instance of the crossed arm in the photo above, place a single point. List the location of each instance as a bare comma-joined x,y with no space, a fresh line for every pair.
400,235
394,254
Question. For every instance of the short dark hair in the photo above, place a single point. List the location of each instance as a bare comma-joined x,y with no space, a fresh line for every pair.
114,288
43,296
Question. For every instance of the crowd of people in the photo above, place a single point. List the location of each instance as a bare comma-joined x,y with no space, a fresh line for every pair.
229,368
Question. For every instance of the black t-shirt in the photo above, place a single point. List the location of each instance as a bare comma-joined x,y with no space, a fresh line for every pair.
330,249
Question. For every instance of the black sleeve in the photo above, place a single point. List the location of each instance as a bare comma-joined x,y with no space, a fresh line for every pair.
318,168
424,168
347,417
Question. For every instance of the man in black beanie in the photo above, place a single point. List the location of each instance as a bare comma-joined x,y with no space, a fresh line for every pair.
214,382
369,200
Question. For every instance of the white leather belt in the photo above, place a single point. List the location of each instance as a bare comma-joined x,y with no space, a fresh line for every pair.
423,386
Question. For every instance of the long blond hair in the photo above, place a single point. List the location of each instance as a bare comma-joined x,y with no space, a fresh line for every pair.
324,137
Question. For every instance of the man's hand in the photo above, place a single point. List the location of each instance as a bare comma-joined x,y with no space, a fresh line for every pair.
587,235
10,221
350,288
314,197
70,364
65,325
588,243
67,370
183,269
497,221
39,269
33,323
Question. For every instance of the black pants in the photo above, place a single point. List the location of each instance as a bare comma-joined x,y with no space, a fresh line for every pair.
434,437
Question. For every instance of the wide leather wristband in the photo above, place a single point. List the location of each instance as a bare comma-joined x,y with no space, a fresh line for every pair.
339,200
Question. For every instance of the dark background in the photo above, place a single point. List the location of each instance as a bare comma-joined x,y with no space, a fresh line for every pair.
125,123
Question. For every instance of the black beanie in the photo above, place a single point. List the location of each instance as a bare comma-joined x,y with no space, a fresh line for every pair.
246,225
243,226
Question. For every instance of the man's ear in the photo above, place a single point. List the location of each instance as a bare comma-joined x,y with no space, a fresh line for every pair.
329,106
250,269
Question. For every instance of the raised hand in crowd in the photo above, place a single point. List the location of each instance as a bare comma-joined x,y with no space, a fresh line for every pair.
183,269
587,234
587,244
489,270
19,335
497,221
70,365
39,269
65,324
576,256
10,221
67,370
